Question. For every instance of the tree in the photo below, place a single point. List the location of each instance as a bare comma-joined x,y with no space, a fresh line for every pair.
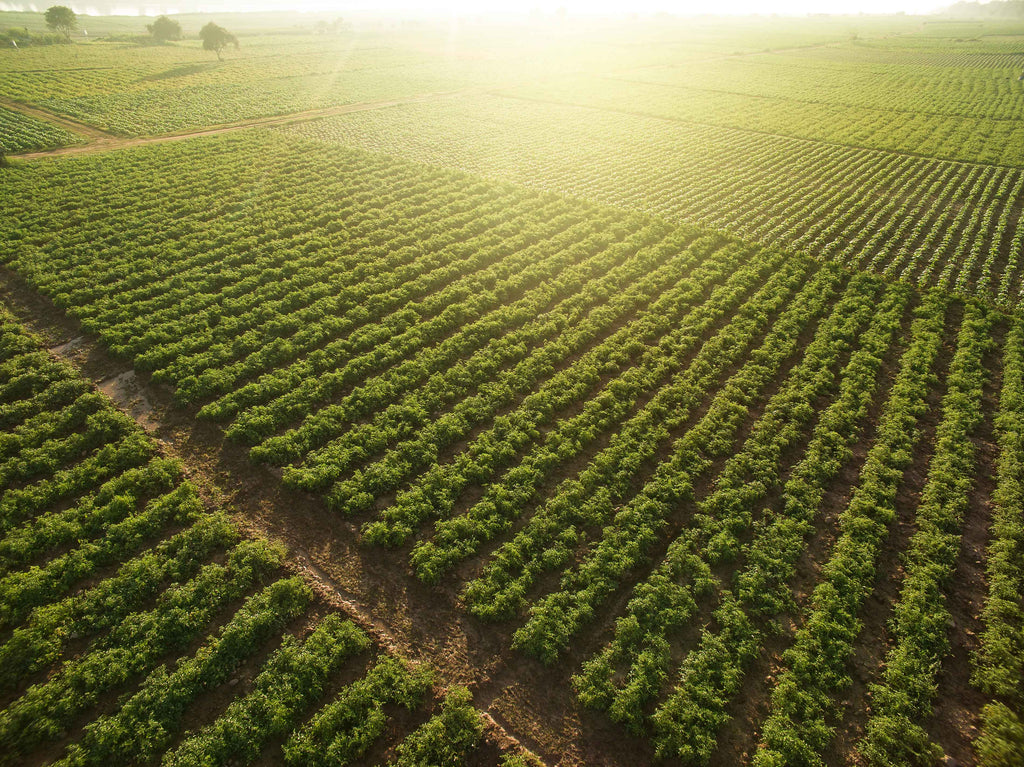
61,19
164,29
216,38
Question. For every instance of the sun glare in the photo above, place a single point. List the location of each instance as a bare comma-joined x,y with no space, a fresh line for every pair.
506,7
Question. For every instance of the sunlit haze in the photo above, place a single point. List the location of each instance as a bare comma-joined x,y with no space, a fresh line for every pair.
504,7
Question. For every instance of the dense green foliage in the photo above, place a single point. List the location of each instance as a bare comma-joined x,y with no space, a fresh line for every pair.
19,132
164,29
61,19
999,661
445,738
877,152
215,38
583,402
922,220
690,359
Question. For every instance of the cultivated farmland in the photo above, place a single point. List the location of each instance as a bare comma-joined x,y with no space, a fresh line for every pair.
636,394
134,568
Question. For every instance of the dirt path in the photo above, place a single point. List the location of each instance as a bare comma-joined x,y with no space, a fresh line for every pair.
101,141
524,701
89,132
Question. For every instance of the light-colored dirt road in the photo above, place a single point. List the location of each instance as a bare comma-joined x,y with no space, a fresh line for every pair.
89,132
100,141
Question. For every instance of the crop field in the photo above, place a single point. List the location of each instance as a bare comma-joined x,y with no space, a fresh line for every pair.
142,585
20,132
923,220
132,90
636,394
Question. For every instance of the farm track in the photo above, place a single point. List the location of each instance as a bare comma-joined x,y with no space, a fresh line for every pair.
102,141
522,700
87,131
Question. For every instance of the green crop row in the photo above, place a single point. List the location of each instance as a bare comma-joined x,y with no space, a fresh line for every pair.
799,726
999,659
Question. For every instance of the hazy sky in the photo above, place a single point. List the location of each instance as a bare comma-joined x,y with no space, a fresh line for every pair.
793,7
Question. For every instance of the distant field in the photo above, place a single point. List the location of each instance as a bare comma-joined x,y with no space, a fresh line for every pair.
139,90
882,145
926,221
659,382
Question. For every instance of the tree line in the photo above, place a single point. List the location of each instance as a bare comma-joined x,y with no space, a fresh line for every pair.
63,21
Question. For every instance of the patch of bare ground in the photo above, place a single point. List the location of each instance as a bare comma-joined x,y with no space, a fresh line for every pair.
957,703
874,640
126,390
529,703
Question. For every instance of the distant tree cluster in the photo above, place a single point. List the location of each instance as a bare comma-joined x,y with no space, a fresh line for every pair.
324,27
61,19
215,38
164,29
997,9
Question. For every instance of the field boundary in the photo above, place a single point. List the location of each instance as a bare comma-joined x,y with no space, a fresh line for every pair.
85,130
102,141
